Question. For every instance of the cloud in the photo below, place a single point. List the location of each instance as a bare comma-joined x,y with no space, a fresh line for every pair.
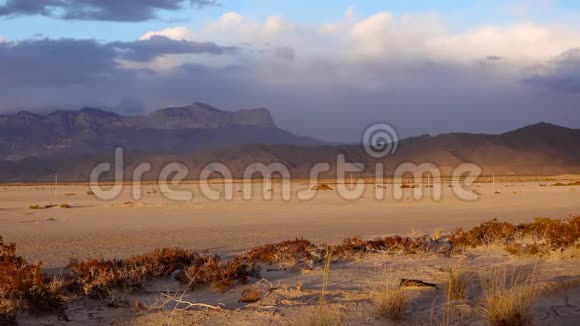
522,43
68,61
54,62
157,45
107,10
410,70
561,74
174,33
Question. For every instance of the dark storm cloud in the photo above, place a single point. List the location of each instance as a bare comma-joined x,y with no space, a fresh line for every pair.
68,61
52,62
146,50
108,10
563,74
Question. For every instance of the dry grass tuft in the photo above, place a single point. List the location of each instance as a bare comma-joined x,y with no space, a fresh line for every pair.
507,298
321,315
392,303
457,283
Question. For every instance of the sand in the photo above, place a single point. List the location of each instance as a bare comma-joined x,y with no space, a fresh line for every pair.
114,229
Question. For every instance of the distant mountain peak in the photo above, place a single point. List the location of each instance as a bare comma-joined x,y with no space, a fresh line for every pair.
539,129
205,116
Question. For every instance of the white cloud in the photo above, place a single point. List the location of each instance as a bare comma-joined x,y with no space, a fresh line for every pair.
524,43
234,27
399,42
175,33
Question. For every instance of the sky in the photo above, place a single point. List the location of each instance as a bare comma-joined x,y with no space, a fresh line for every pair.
325,69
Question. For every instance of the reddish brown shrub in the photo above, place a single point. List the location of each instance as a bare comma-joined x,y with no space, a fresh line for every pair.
290,251
23,287
557,234
483,234
96,278
219,274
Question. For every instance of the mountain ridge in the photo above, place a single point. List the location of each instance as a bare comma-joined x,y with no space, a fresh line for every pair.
179,129
538,149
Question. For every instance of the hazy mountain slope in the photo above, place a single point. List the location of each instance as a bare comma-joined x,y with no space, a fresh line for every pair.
540,149
172,130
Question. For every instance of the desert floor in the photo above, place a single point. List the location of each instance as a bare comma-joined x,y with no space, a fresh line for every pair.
116,229
122,227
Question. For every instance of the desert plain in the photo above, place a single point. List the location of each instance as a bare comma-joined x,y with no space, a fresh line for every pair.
89,227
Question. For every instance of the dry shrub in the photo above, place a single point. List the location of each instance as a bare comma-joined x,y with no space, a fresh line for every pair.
560,184
552,234
322,187
219,274
23,287
392,302
390,243
520,249
97,277
557,233
319,316
484,234
41,206
251,294
291,251
507,298
437,234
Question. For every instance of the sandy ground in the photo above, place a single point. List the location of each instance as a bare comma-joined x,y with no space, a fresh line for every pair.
293,293
92,227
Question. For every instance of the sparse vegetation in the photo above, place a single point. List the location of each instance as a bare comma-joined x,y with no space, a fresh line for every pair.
41,206
507,298
23,287
322,187
219,274
570,184
456,283
251,294
321,315
391,301
547,234
290,251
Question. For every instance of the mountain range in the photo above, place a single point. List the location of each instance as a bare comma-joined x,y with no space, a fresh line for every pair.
170,130
69,144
